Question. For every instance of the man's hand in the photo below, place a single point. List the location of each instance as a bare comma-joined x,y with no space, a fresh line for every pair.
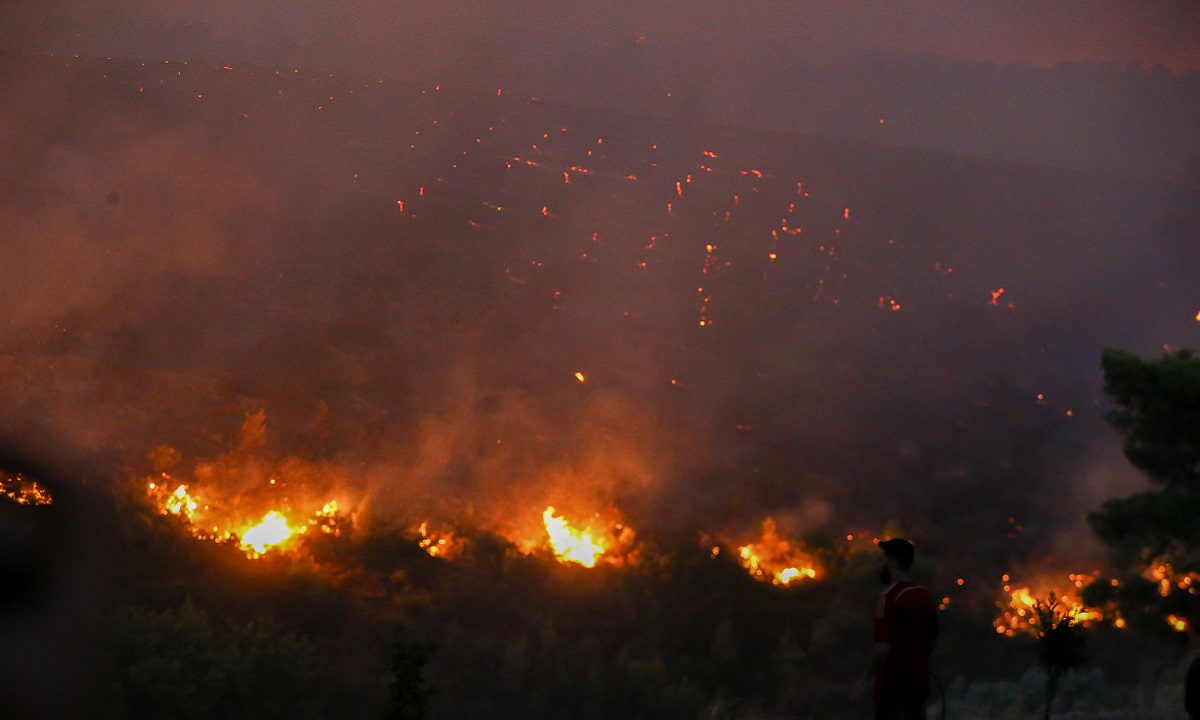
858,691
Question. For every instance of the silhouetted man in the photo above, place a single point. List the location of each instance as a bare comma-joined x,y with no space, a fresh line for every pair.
906,627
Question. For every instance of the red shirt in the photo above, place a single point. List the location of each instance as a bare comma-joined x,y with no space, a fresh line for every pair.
907,621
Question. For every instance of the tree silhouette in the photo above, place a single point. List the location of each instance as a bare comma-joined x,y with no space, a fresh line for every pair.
1060,644
1153,535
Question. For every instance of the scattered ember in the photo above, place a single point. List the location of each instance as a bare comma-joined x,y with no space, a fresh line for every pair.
1164,575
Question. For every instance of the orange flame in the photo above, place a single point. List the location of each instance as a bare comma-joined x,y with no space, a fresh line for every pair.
438,544
24,491
271,531
1018,612
776,559
571,545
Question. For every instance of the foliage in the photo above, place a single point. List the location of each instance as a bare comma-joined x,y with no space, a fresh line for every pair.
409,691
1159,413
1153,535
177,664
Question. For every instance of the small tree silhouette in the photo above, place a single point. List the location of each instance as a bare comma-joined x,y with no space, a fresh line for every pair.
1060,644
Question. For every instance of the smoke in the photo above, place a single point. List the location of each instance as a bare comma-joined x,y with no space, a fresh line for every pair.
1029,81
369,34
188,246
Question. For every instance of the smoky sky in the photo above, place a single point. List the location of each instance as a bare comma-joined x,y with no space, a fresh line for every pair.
188,245
961,77
376,35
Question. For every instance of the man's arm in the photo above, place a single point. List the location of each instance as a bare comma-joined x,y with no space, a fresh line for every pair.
881,642
875,662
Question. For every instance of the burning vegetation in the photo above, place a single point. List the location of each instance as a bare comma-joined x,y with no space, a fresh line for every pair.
1019,611
210,518
774,559
22,490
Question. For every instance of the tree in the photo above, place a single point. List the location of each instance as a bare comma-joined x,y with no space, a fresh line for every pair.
1060,644
1153,536
1159,414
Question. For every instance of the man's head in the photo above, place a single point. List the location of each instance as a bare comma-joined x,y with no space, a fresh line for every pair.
898,555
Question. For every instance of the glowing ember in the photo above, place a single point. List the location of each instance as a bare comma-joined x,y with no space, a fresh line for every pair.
1177,623
1165,577
24,491
270,532
437,544
569,544
776,559
180,502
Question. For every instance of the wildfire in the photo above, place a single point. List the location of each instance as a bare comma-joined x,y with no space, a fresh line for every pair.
776,559
270,532
256,538
569,544
179,502
1018,612
24,491
437,544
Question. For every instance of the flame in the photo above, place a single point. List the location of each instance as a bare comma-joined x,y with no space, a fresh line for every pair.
437,544
180,502
255,540
271,531
1178,624
24,491
1018,612
776,559
569,544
